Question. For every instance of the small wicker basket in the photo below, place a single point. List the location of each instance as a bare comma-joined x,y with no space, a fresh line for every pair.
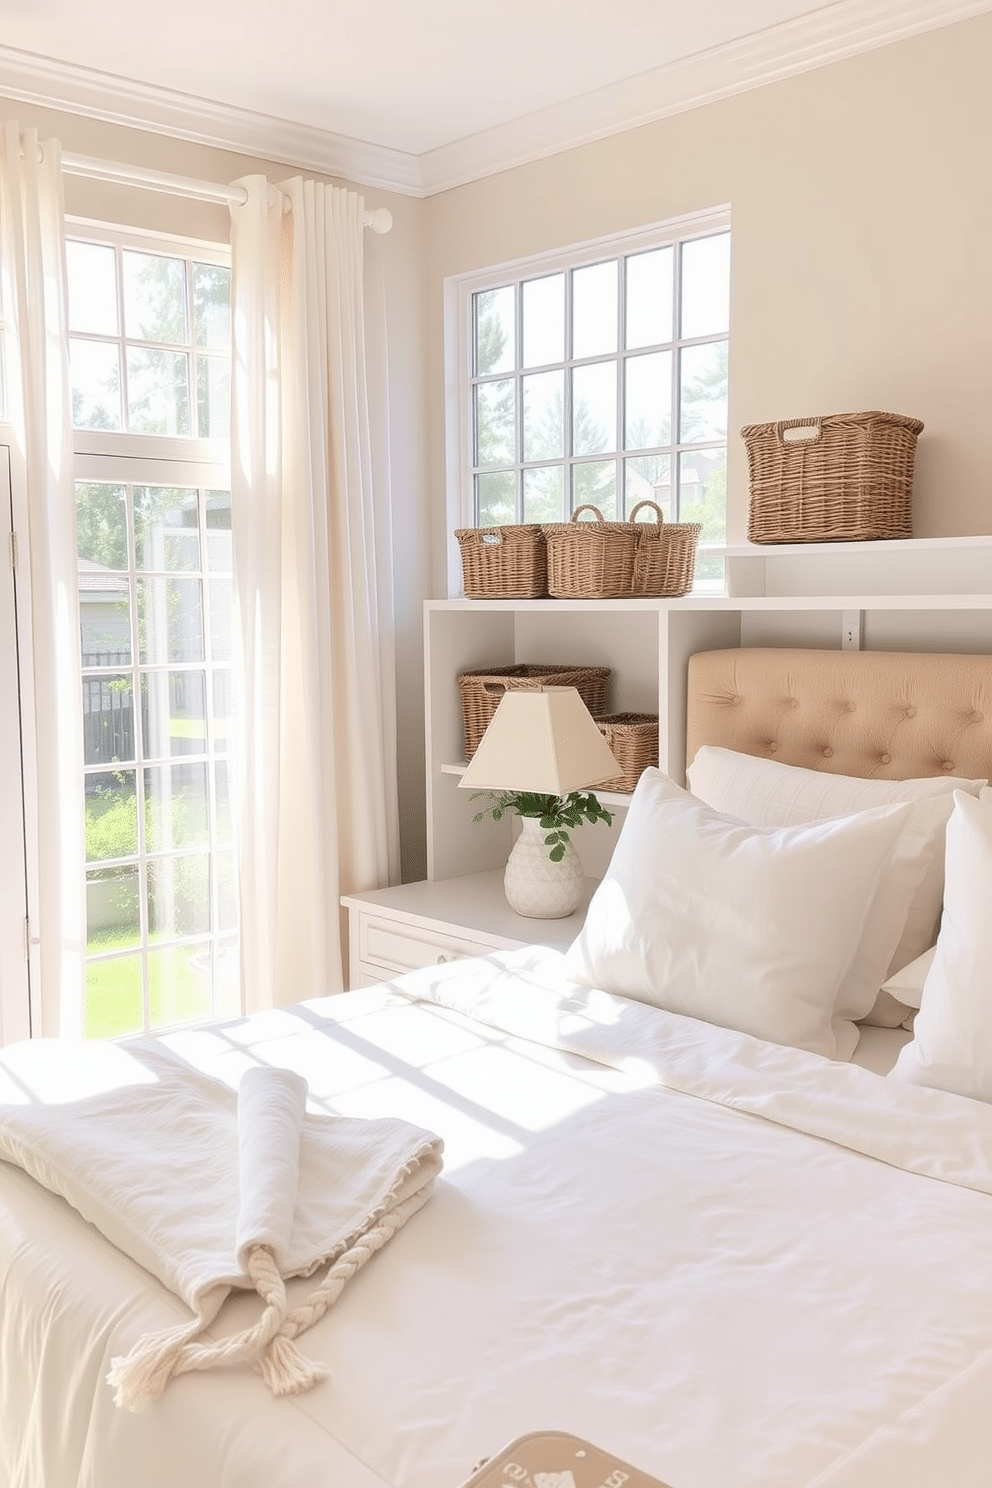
482,690
620,560
504,562
849,480
633,738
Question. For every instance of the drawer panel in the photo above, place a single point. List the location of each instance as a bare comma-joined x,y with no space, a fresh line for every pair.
406,947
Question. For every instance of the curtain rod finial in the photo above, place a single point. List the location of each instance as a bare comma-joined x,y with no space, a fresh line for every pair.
380,220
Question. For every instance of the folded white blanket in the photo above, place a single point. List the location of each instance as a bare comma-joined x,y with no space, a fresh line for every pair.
211,1192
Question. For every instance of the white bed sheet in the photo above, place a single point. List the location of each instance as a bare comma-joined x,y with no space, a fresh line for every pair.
705,1290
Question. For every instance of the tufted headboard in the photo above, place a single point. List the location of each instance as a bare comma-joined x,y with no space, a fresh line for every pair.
885,714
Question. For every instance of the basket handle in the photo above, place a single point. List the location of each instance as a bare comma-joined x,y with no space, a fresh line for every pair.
815,425
654,507
587,507
496,685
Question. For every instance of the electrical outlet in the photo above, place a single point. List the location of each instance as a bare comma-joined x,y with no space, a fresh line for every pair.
852,622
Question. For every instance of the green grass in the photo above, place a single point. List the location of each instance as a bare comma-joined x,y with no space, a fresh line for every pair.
177,990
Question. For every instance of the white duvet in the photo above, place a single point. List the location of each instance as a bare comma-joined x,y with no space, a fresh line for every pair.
726,1261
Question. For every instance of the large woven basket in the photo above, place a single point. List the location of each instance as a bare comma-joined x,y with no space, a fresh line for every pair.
620,560
482,690
633,738
850,479
504,562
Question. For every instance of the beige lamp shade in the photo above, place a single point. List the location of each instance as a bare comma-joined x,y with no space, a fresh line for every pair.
541,740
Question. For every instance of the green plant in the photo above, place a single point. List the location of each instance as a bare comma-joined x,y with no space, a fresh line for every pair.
555,813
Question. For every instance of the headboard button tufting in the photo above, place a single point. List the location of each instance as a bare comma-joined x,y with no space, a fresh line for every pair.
885,759
828,753
947,765
910,712
976,717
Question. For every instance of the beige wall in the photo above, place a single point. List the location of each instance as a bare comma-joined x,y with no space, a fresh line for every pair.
393,265
862,273
862,218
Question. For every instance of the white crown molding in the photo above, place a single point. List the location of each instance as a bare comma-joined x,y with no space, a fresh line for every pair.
838,30
829,35
98,95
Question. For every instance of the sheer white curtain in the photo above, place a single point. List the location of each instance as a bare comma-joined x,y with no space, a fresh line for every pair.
33,302
312,565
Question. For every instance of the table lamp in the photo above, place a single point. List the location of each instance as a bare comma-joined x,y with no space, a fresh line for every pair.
541,748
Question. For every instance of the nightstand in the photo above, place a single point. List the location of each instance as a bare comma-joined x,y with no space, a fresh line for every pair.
424,924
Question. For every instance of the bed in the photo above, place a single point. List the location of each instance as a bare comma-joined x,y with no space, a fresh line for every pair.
723,1257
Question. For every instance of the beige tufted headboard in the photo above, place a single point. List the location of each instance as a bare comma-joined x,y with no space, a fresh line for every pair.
885,714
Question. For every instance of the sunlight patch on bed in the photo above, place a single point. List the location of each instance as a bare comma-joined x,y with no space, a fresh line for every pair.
53,1073
503,1081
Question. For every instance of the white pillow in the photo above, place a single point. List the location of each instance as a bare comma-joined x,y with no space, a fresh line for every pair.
907,984
952,1034
752,928
769,794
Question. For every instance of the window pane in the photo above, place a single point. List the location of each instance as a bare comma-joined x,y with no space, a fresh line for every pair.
108,720
706,286
544,426
220,619
648,478
595,482
648,403
223,708
154,297
594,408
213,397
212,306
219,558
166,532
495,338
91,270
112,914
649,297
594,309
179,895
496,498
703,491
227,895
158,392
223,798
544,494
104,618
703,401
495,423
179,981
113,997
95,374
171,620
176,806
173,713
544,320
111,815
101,524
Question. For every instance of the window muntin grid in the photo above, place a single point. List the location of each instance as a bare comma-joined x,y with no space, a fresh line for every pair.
154,542
149,341
154,580
604,381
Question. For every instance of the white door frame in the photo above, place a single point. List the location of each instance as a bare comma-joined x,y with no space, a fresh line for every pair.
15,999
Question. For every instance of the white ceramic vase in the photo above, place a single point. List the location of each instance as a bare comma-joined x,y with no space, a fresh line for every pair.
536,887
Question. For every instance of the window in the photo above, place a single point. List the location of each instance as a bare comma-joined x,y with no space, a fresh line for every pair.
150,372
600,377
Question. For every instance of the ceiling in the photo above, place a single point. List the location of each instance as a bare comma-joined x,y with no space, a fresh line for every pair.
418,95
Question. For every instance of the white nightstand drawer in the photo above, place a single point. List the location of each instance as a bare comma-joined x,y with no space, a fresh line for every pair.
405,947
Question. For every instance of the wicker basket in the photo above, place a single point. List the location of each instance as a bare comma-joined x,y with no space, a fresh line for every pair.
850,480
633,737
482,690
620,560
504,562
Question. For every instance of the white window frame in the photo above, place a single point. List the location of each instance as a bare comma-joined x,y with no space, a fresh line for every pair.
458,345
151,459
17,1014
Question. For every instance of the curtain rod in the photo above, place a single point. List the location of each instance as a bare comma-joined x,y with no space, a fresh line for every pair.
380,220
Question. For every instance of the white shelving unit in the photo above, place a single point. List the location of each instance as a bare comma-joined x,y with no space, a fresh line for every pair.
919,595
